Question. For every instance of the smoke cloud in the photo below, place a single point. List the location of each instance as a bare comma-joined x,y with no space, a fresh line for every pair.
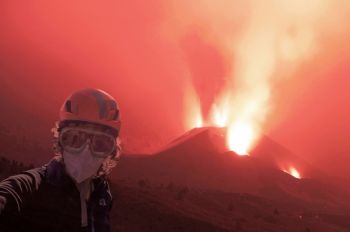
265,67
265,44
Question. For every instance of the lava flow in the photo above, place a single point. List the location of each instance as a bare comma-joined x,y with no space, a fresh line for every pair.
293,172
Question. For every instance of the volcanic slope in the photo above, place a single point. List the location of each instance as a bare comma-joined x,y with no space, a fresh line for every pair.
145,206
199,159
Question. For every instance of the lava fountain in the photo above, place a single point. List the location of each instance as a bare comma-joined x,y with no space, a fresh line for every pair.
192,111
275,39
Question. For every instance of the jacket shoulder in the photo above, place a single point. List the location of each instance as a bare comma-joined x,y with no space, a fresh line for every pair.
15,189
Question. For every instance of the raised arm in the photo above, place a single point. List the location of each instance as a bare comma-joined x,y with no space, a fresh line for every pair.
16,189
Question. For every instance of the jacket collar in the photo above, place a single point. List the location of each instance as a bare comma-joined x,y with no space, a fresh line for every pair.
56,173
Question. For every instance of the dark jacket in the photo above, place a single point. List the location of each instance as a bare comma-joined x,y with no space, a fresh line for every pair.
46,199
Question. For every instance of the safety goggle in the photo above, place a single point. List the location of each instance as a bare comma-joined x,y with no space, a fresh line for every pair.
75,139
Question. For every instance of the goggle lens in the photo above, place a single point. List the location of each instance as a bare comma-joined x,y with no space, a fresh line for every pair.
102,144
74,140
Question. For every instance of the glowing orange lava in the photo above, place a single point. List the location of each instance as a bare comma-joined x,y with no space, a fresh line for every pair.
293,172
240,134
198,121
239,137
219,116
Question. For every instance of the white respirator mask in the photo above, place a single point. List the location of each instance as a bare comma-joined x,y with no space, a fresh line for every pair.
83,165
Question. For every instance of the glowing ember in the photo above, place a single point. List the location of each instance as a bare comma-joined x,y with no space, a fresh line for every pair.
293,172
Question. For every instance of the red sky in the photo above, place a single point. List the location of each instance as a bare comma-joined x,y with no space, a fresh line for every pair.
135,51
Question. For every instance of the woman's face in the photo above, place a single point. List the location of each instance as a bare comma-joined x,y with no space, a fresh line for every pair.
85,147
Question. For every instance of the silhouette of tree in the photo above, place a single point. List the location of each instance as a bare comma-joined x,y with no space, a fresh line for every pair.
12,167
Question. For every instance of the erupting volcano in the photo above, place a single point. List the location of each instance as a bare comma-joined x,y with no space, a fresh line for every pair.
239,135
234,113
271,46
